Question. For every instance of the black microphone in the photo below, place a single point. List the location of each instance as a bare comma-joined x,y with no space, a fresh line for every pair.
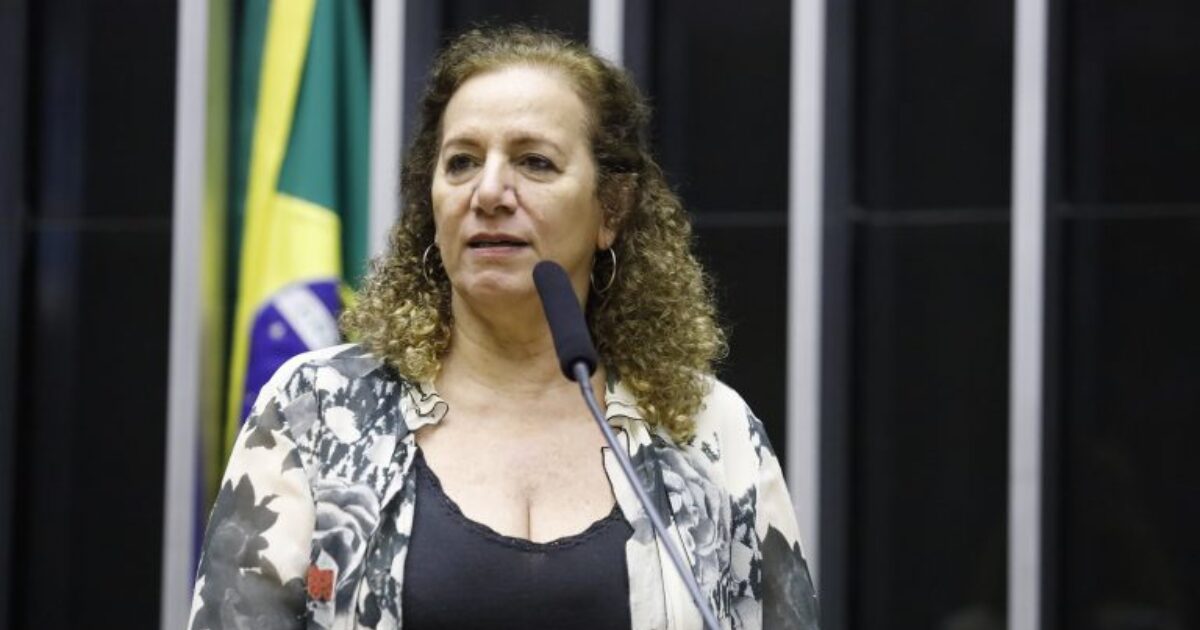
577,358
567,326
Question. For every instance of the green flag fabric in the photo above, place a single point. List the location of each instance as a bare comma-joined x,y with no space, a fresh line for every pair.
298,222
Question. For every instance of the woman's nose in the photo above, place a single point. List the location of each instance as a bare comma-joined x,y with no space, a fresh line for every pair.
495,192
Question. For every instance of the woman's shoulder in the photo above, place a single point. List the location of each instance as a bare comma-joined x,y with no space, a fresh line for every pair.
344,388
326,368
350,359
342,409
723,410
728,427
721,399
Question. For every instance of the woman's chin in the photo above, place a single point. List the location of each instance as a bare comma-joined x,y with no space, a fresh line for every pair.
498,287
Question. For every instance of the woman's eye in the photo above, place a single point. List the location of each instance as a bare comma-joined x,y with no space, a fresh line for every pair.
538,162
459,163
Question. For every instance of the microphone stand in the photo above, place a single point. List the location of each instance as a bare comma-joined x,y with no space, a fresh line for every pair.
583,377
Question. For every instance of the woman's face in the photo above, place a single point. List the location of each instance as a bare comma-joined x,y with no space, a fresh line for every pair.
515,183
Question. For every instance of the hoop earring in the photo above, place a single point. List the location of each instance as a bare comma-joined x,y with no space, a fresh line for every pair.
425,264
611,277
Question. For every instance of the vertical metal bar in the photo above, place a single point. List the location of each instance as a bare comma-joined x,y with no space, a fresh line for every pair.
387,119
805,206
606,29
183,393
1027,315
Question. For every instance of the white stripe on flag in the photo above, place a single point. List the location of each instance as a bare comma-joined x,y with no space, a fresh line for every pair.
308,316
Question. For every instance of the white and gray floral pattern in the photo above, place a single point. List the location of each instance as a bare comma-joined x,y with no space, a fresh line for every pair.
701,513
319,485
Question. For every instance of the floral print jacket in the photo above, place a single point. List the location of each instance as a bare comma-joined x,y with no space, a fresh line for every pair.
310,528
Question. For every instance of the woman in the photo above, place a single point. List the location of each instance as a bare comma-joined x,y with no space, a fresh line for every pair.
443,473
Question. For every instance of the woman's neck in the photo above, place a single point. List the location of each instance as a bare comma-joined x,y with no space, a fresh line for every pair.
504,350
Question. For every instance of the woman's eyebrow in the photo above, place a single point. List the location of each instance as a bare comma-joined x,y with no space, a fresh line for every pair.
462,140
526,139
469,139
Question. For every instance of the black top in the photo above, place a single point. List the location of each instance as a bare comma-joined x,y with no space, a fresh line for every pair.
462,574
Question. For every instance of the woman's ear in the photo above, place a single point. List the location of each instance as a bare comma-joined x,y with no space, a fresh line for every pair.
605,237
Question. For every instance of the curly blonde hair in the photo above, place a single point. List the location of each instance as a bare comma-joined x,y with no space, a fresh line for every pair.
655,326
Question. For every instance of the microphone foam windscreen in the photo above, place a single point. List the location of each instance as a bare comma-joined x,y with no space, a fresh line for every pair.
567,326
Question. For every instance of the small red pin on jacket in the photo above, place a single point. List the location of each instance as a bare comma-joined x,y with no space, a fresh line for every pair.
320,583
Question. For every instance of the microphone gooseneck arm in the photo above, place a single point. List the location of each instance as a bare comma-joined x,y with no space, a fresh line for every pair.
577,359
582,377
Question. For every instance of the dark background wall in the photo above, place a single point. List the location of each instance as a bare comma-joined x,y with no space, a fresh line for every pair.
86,207
914,492
719,81
12,173
1123,331
914,501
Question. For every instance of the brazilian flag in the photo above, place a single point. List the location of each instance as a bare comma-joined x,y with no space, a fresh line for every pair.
298,226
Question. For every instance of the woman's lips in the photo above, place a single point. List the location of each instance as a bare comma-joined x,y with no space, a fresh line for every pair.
497,249
496,244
